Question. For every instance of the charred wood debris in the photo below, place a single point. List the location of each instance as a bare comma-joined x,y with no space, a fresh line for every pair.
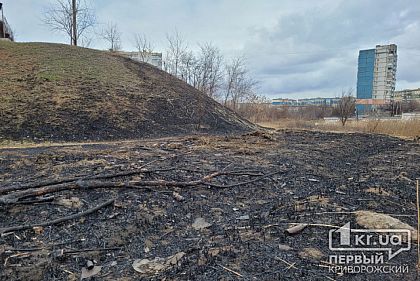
252,207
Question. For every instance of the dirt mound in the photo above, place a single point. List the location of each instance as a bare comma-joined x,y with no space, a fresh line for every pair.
60,92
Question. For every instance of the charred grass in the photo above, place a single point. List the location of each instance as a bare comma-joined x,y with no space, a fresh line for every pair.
325,178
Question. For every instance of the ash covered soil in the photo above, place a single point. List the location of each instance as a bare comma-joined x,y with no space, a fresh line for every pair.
229,226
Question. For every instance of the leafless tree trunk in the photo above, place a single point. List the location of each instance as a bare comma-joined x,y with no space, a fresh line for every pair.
112,35
62,16
346,106
74,21
144,46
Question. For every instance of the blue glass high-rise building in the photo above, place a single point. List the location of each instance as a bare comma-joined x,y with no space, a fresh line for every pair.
365,74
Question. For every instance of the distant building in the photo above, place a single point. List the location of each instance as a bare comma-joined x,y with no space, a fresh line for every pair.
407,95
385,72
284,102
365,74
306,102
376,76
154,59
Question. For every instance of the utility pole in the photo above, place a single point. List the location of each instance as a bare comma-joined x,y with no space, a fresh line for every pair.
74,22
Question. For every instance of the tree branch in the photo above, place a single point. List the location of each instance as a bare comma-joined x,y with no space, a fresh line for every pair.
56,221
15,197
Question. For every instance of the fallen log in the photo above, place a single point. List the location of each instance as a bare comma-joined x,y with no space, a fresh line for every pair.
56,221
15,197
72,179
18,187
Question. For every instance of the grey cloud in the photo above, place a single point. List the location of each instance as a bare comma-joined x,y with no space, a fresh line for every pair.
293,47
316,50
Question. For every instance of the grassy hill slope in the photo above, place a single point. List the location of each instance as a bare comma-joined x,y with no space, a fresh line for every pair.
60,92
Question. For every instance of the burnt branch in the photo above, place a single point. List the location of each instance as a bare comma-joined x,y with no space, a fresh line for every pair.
57,221
15,197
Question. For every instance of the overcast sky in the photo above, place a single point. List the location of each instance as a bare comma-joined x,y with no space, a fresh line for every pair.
295,48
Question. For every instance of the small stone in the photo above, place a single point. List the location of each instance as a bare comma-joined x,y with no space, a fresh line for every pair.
89,265
313,180
245,217
284,247
200,223
311,254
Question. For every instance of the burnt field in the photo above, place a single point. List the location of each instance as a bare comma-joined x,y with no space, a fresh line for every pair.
199,208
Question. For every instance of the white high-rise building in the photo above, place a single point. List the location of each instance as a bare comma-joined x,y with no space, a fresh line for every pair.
384,75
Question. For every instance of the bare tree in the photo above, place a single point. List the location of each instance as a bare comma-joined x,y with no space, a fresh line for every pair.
188,68
62,16
410,106
234,70
244,88
210,72
239,86
346,106
144,46
205,71
256,108
112,35
176,50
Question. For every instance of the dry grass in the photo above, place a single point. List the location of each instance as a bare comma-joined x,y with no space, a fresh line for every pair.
377,191
398,128
10,144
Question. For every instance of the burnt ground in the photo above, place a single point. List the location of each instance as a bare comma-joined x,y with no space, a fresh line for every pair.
322,179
